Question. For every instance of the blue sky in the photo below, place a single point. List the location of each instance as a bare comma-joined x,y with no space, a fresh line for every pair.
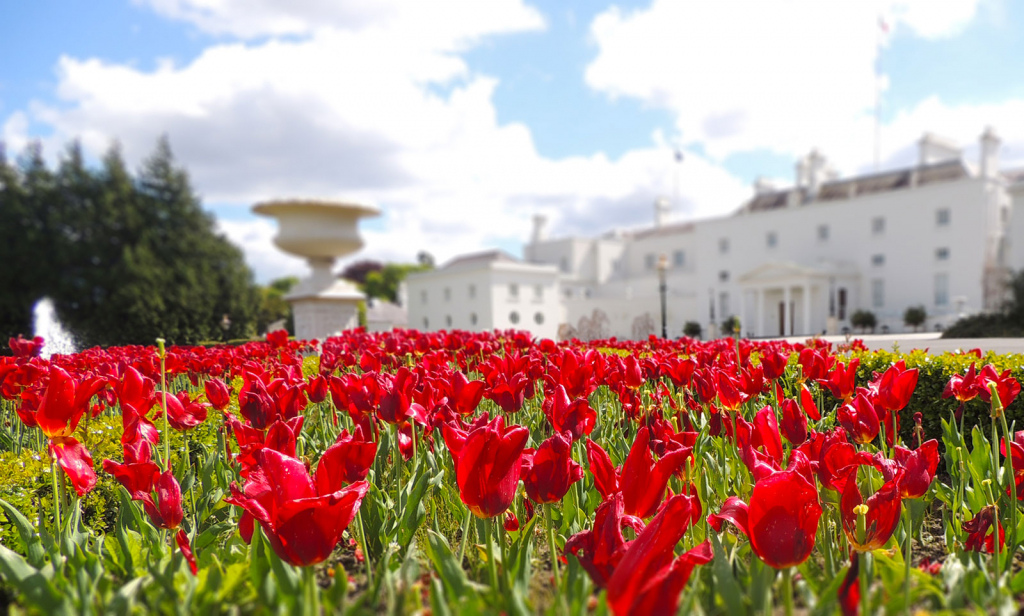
461,119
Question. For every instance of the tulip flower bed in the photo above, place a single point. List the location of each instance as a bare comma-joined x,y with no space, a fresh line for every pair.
451,473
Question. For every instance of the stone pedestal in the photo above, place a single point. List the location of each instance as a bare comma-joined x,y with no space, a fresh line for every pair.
320,231
832,326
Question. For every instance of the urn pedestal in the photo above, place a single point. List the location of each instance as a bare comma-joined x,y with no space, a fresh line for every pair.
320,232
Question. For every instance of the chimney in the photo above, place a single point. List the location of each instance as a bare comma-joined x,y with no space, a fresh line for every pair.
540,232
933,150
763,186
817,173
662,207
801,172
989,158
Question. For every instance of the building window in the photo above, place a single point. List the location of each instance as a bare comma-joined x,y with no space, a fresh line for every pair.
942,217
822,233
472,291
513,291
723,303
878,225
842,304
472,318
678,258
649,261
447,294
942,254
878,260
878,292
772,239
538,292
723,245
538,318
941,289
423,297
723,276
513,317
448,320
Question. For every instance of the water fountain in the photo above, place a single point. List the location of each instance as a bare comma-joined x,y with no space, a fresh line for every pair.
45,324
320,232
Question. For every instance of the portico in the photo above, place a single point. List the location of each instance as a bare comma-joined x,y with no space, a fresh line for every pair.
786,299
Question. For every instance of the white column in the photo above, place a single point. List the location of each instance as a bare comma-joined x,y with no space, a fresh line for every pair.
760,312
807,309
743,312
786,320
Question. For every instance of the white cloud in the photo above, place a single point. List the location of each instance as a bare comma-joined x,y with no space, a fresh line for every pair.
745,74
449,23
363,111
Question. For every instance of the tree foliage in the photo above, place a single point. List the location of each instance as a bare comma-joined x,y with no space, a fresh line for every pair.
1008,323
915,316
125,259
383,284
273,306
864,319
358,270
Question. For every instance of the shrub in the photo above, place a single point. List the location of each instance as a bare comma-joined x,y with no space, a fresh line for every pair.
692,329
730,326
915,316
864,319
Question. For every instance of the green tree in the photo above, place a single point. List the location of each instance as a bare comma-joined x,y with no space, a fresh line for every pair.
125,260
915,316
864,319
384,283
273,306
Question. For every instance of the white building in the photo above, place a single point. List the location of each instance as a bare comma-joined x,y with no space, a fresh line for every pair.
792,261
485,291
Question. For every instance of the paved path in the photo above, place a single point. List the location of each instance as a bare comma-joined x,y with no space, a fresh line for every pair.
930,341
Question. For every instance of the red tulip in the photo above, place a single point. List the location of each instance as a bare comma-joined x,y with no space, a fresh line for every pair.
160,494
184,413
606,479
549,472
774,363
919,467
782,518
255,403
978,537
465,394
807,403
600,549
575,418
963,387
487,465
26,348
794,423
842,380
883,513
1007,387
642,480
61,408
317,389
650,577
302,525
896,386
217,393
859,419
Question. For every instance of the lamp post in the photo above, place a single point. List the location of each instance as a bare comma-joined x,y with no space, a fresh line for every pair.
662,289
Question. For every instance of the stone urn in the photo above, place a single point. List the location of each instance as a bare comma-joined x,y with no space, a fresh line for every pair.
320,232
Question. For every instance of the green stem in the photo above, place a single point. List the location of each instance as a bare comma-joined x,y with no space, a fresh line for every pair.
907,556
551,546
56,500
366,549
163,398
465,535
787,590
865,584
1012,539
312,603
492,566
